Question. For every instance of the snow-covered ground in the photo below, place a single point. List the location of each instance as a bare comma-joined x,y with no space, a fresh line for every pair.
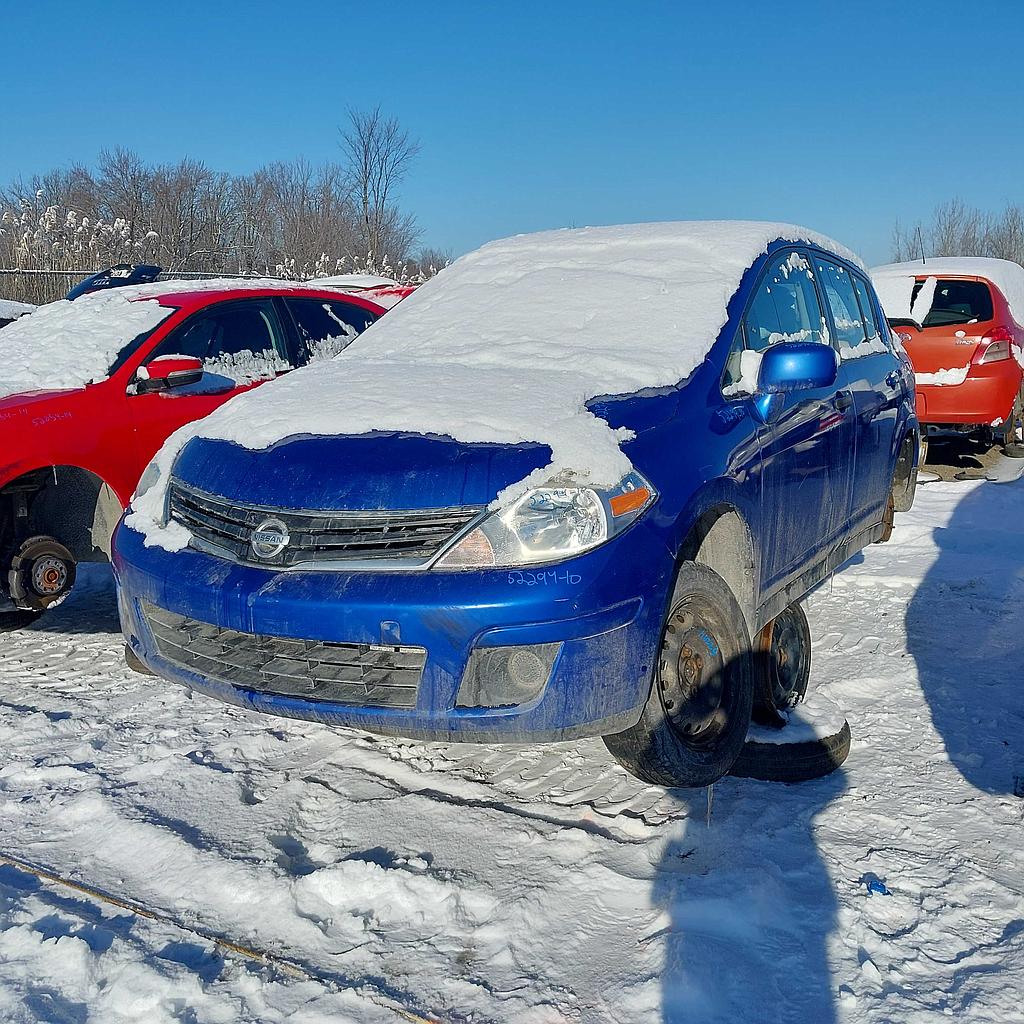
405,881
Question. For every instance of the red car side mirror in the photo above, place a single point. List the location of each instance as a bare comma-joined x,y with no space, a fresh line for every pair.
167,372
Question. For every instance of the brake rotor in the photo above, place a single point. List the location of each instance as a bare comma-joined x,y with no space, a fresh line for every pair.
41,574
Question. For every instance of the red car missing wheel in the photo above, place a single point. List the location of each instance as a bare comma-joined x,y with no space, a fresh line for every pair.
89,391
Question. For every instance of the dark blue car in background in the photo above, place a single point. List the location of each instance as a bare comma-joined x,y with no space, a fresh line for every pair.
377,580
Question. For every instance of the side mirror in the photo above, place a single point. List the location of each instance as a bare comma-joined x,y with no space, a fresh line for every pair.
797,366
166,372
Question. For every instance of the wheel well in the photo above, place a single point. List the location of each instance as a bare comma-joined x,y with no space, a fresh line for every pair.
721,540
66,502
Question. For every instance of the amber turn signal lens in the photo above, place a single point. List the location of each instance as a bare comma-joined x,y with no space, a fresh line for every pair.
629,502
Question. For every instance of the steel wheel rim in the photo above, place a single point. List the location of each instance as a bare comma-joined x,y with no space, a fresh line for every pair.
691,675
786,656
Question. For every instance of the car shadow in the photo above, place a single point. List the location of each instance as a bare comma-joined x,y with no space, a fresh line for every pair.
751,906
748,905
965,631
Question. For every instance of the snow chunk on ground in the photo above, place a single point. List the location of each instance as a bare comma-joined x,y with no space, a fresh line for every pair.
944,378
511,342
894,283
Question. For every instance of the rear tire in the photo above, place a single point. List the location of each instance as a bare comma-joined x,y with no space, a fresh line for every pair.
698,710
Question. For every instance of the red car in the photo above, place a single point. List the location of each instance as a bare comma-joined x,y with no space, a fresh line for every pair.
90,390
960,320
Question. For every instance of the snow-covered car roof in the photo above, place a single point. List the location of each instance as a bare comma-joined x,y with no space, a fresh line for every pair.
11,310
354,282
894,282
511,342
70,344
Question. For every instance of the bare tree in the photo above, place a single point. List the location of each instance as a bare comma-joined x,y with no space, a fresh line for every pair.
378,152
957,229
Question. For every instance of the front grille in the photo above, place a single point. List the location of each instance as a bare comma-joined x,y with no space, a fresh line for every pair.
374,675
408,537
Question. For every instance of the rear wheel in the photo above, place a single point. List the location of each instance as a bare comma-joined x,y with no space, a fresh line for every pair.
1011,433
782,666
697,713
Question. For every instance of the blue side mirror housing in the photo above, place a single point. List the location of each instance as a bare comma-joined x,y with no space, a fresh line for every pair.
797,366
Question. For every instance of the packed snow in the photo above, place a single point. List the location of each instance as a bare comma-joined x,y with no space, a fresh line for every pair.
353,282
894,283
510,343
11,310
534,885
944,378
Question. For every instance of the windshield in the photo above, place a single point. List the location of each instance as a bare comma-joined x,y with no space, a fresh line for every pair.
956,302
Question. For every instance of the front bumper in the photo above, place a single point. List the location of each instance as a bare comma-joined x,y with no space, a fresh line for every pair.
605,608
986,396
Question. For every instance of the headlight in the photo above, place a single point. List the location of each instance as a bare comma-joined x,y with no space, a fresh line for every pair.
548,524
149,479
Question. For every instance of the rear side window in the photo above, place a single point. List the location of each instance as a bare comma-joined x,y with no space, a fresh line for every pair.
784,308
956,302
327,328
842,299
866,308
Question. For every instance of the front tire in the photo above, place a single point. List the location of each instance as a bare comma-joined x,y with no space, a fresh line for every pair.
692,728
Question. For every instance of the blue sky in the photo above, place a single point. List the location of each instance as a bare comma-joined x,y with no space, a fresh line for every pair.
840,116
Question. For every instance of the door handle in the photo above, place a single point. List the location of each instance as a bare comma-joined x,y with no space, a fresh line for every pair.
843,400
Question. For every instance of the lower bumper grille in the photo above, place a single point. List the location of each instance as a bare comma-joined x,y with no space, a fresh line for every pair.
374,675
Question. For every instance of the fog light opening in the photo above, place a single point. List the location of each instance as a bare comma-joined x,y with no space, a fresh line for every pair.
505,676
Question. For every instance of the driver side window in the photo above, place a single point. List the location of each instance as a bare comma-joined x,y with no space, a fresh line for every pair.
784,308
237,342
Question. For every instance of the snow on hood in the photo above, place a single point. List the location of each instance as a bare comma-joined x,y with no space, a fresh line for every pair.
510,343
894,282
11,310
70,344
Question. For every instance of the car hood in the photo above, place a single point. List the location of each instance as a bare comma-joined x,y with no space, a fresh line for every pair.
34,401
366,471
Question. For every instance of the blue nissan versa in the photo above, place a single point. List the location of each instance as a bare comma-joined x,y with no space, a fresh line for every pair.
326,577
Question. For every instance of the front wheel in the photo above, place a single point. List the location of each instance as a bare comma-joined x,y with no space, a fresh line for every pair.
692,727
41,574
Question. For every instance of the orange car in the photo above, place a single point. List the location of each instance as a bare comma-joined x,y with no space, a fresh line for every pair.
959,319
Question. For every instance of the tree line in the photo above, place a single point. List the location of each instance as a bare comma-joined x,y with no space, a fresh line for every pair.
957,229
287,219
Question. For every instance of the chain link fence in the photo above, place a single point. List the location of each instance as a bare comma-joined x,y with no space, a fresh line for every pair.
39,286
